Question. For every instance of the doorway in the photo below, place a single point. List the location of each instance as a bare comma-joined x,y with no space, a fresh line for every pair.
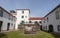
8,25
0,25
50,28
41,27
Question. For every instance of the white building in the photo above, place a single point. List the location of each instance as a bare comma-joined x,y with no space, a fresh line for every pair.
22,16
35,19
7,20
51,21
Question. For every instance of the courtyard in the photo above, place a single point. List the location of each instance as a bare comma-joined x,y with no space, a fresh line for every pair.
20,34
29,18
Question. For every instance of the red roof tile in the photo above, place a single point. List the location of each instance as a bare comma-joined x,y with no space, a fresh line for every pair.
35,18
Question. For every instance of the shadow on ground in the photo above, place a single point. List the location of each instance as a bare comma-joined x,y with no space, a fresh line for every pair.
56,35
2,35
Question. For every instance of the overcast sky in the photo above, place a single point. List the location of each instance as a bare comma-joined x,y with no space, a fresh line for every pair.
38,8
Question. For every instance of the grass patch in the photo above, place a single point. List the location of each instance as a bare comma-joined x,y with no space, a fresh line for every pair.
20,34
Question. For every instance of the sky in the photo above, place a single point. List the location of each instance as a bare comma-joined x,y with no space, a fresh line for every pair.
38,8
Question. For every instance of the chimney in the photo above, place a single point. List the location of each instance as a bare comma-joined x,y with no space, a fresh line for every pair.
12,11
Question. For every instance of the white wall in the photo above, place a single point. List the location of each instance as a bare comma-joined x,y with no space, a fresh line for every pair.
7,18
5,22
51,20
33,21
19,15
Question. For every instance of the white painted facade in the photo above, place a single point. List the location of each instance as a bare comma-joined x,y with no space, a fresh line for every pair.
7,18
38,21
25,15
51,21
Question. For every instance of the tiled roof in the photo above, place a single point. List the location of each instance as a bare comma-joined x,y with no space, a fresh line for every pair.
35,18
6,11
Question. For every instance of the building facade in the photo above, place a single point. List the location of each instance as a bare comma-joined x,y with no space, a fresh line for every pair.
51,21
35,19
22,16
7,20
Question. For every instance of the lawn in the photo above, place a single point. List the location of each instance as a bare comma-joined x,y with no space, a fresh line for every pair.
20,34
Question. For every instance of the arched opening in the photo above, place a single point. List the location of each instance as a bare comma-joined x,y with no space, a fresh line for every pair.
50,28
36,22
0,25
40,22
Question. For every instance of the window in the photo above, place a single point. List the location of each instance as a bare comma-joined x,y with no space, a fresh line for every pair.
47,19
1,13
22,22
12,24
40,22
22,12
30,21
25,16
22,16
58,27
44,20
35,21
57,14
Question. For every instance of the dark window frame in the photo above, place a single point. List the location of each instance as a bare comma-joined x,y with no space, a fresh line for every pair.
57,14
47,19
30,21
12,24
22,16
58,27
1,13
22,12
22,22
40,22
